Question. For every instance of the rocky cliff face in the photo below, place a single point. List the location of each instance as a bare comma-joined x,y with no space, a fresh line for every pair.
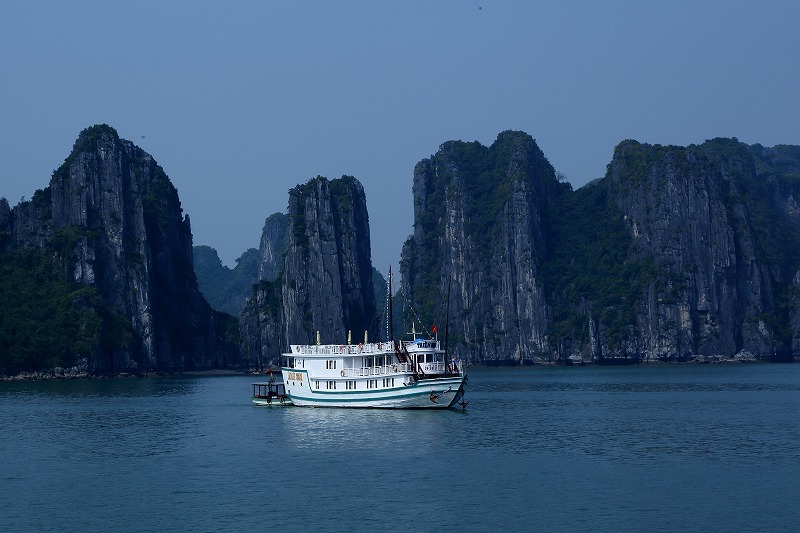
677,252
480,219
719,222
272,248
325,283
120,218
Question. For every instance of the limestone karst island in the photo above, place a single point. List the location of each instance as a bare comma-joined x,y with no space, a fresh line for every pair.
677,254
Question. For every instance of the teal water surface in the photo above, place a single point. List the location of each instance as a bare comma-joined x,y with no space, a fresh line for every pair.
648,448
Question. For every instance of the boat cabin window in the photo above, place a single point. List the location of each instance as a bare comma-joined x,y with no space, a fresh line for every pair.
369,361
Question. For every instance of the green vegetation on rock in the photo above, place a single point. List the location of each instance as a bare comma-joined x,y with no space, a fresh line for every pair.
46,320
593,270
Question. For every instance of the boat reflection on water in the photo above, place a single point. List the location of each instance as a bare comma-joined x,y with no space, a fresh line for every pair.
326,430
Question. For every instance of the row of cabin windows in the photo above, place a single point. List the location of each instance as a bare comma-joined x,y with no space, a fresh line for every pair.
379,360
382,360
351,384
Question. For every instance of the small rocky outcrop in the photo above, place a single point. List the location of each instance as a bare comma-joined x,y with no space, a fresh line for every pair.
225,289
228,289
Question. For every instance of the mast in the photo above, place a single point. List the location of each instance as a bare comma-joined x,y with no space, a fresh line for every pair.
446,327
391,321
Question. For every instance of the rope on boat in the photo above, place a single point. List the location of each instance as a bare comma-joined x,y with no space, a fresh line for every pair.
416,316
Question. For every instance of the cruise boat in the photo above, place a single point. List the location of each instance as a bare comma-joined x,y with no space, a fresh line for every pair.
408,374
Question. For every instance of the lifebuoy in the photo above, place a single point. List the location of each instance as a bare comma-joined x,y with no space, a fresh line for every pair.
341,373
360,346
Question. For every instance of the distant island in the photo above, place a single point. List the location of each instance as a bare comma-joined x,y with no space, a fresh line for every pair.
677,254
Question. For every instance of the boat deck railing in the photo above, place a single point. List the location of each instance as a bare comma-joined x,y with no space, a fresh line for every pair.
343,349
380,370
361,348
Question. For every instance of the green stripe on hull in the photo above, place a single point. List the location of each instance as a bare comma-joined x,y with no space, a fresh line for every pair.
385,389
382,398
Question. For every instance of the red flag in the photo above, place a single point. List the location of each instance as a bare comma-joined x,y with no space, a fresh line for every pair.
434,328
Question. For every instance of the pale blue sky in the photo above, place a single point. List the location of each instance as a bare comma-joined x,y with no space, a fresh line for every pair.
240,101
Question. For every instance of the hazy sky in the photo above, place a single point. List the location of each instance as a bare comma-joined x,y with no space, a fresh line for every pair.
241,101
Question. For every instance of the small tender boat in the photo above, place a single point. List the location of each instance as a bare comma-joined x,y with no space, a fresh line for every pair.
270,392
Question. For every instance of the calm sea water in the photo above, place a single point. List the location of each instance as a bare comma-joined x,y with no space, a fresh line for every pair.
660,447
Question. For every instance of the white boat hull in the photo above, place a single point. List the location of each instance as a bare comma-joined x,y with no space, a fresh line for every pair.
440,393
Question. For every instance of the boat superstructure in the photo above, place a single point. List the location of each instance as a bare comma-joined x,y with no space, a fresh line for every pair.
412,374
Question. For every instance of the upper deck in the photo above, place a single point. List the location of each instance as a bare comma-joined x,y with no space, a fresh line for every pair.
370,348
423,356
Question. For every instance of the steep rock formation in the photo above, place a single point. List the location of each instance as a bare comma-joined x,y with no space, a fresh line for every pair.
718,222
325,284
480,218
677,252
114,213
